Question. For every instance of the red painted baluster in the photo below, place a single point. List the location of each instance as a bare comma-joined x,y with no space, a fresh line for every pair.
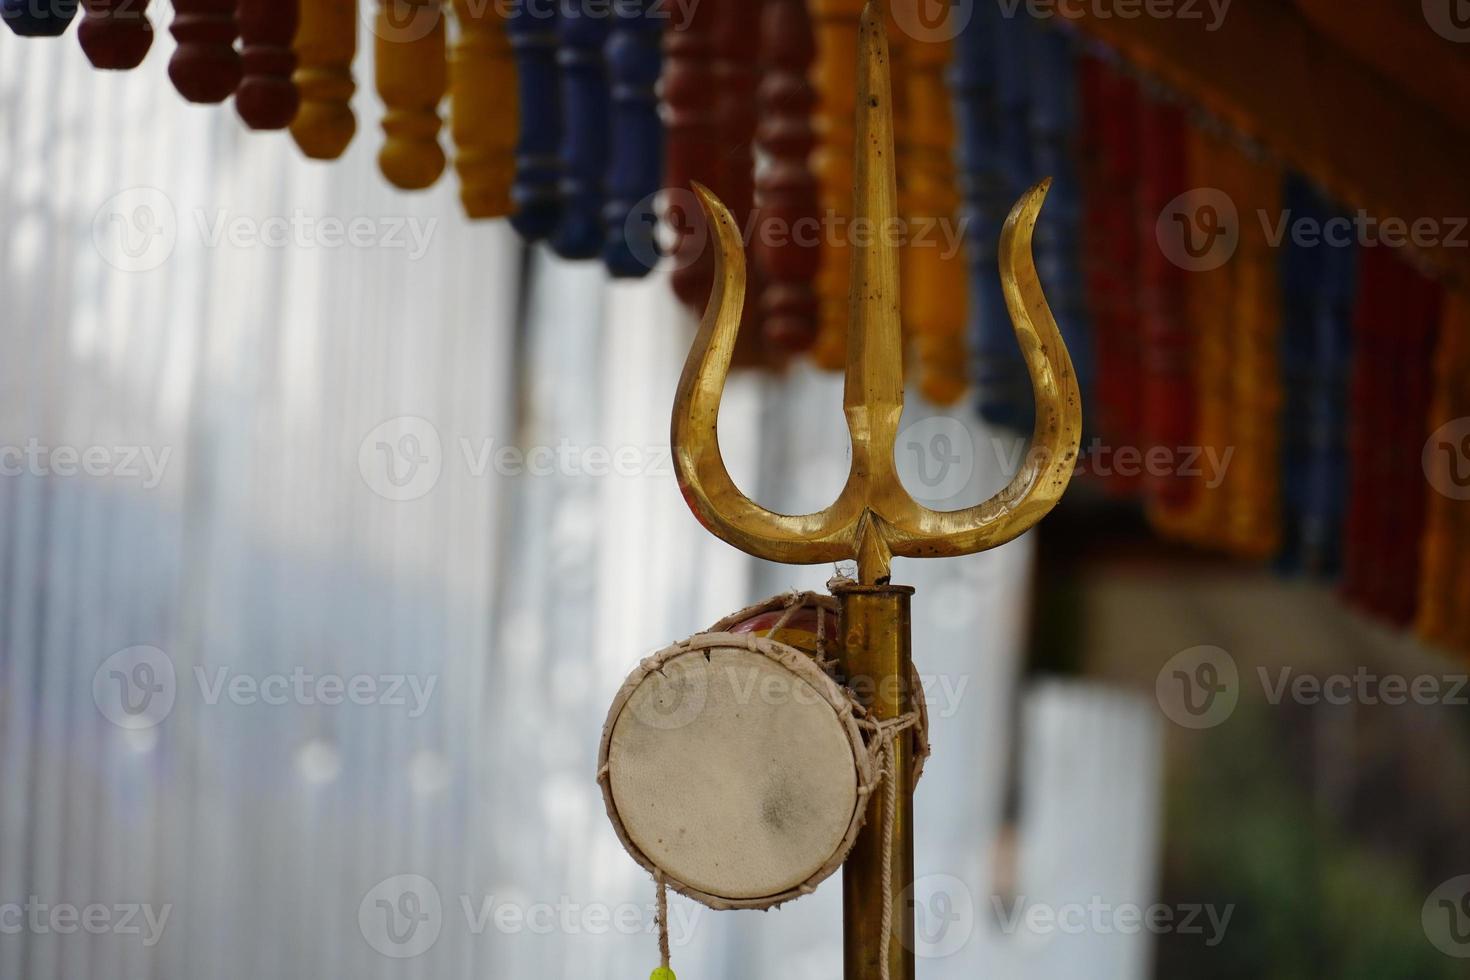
115,34
787,245
691,146
267,97
205,67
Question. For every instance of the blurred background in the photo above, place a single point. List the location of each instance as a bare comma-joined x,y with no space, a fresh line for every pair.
331,521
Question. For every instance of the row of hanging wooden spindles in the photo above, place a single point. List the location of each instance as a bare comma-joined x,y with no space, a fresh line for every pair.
556,123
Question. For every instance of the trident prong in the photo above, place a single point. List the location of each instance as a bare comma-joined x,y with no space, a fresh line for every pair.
874,517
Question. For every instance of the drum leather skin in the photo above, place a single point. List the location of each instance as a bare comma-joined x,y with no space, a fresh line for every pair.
733,774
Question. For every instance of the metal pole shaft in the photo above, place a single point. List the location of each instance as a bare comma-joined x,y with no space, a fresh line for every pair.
873,623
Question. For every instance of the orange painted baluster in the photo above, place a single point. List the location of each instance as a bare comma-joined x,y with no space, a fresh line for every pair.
836,23
411,77
326,43
934,289
483,113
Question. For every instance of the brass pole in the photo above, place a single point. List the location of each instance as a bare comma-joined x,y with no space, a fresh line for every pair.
873,625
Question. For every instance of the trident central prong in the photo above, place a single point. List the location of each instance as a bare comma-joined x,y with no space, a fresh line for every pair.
874,517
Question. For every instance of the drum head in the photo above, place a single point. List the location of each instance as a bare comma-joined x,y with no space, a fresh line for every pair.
733,772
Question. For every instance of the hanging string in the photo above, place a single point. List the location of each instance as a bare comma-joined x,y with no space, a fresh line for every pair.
662,918
887,732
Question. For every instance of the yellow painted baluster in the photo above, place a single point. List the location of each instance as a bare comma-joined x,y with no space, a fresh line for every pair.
326,42
412,79
484,119
1254,369
1444,565
836,25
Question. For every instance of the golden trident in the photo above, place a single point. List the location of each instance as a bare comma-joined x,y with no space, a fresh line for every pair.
874,518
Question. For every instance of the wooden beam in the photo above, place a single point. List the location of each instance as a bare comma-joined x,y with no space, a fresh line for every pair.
1268,73
1396,39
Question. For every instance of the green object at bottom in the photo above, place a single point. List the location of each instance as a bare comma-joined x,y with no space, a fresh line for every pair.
662,973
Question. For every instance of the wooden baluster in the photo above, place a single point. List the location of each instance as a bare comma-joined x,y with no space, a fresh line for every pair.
836,25
482,82
411,77
737,49
534,194
985,94
266,98
205,67
933,293
115,34
1169,396
1109,160
582,33
326,43
1254,498
785,187
38,18
635,163
691,146
1054,143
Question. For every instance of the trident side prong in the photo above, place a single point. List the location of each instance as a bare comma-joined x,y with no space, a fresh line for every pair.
874,517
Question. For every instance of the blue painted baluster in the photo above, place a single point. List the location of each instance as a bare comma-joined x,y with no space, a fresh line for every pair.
535,194
1318,285
585,129
38,18
1058,242
635,164
1002,389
